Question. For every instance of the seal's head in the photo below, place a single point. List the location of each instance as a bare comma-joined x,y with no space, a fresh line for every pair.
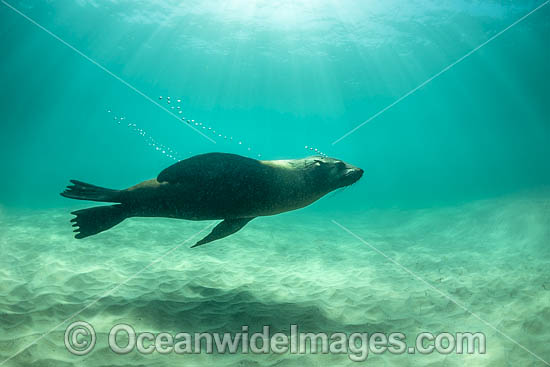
329,174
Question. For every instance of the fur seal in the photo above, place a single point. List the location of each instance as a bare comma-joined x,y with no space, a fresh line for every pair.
214,186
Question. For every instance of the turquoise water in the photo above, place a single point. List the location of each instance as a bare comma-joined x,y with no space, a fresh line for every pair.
455,190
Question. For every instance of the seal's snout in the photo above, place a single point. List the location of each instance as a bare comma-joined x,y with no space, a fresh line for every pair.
351,175
356,173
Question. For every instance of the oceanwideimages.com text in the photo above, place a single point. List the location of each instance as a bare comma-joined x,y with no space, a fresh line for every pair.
80,339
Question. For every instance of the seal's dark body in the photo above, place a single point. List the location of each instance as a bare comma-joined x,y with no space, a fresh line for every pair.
209,186
206,187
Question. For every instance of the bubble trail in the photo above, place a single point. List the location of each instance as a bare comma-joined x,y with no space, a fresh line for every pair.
316,150
176,107
150,141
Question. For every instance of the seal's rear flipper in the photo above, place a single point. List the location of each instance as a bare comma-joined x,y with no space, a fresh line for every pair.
84,191
224,229
94,220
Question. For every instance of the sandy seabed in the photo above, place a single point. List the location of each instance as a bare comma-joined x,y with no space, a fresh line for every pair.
491,256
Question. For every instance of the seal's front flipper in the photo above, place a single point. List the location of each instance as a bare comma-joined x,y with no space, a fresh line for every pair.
224,229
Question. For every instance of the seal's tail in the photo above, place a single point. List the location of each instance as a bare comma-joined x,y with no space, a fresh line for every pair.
94,220
83,191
